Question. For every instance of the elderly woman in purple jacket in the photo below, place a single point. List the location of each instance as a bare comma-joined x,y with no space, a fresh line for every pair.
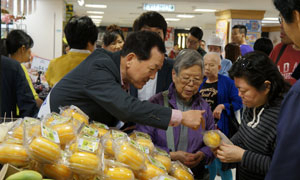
184,144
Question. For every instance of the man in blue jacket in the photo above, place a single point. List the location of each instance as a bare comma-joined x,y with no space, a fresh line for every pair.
286,160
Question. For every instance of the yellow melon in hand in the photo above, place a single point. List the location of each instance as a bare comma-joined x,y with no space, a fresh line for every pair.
212,139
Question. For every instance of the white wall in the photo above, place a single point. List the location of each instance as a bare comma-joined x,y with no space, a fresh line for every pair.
45,26
208,31
275,37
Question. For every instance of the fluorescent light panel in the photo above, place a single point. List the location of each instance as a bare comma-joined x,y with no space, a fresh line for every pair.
95,12
269,22
172,19
96,17
271,18
205,10
185,16
96,5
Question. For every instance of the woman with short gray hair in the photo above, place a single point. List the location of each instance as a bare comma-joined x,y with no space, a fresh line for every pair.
184,144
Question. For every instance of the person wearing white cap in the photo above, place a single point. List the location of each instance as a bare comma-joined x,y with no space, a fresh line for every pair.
215,44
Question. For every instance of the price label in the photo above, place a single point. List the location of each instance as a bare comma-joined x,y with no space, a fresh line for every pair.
40,64
89,131
50,134
90,145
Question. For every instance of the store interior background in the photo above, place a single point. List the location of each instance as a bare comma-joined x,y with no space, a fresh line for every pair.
46,18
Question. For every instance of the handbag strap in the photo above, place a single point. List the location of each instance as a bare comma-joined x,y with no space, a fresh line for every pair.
280,53
169,132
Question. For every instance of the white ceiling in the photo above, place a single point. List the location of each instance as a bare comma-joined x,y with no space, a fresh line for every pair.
124,12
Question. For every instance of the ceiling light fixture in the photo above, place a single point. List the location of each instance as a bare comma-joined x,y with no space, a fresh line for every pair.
270,22
185,16
205,10
96,17
80,2
172,19
96,5
96,20
271,18
95,12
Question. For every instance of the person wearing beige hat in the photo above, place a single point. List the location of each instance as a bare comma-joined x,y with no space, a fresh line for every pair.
215,45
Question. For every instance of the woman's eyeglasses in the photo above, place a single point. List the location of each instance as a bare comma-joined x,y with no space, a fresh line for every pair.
185,80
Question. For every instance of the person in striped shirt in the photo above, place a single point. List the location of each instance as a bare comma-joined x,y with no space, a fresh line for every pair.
261,88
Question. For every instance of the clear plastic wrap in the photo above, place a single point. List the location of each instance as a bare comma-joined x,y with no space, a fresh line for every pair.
57,171
144,140
43,147
180,171
14,154
213,138
107,141
86,157
164,177
102,128
165,160
75,112
117,171
4,127
153,168
17,130
66,127
89,131
126,151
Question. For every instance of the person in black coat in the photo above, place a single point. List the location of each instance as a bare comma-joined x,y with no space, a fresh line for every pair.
98,86
15,90
154,22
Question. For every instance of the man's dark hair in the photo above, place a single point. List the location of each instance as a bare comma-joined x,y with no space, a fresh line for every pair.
263,45
196,32
151,19
286,8
111,34
203,41
141,43
256,68
242,28
14,40
79,31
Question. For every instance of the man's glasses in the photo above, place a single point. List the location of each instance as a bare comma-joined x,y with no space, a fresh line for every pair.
280,19
192,42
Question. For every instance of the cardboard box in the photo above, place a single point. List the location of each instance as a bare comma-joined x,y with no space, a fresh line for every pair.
8,170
